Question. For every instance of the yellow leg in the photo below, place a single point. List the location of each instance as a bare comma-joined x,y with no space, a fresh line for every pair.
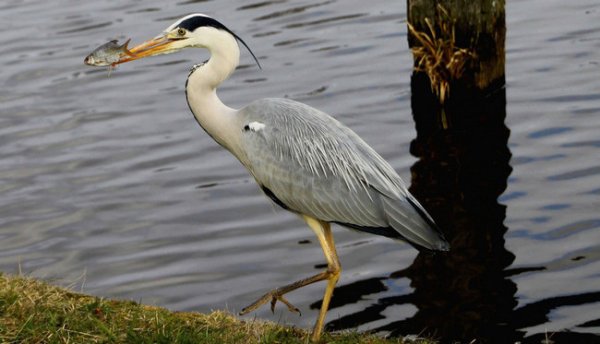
332,274
325,236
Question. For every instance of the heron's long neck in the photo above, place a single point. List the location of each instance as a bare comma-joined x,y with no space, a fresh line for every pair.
216,118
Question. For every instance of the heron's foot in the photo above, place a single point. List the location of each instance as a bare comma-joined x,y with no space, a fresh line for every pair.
273,296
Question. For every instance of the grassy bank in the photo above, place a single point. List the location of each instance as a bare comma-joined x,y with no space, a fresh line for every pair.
36,312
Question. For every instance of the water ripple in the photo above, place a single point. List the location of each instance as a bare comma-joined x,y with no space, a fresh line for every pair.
325,20
571,229
290,11
577,173
259,5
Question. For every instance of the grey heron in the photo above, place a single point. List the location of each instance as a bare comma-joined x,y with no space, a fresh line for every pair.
303,159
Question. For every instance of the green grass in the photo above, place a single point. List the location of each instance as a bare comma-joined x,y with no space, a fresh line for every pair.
32,311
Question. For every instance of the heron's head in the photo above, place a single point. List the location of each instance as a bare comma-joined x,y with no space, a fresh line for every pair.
193,31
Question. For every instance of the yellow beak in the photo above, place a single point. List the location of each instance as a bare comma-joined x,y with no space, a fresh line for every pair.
156,46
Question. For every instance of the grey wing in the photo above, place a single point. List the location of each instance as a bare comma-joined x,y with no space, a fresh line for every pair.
311,164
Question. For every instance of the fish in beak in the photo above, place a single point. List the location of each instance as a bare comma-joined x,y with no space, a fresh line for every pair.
159,45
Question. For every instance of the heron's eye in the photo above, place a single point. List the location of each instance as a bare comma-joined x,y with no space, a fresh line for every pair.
181,32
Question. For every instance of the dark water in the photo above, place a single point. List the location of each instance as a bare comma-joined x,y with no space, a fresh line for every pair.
108,184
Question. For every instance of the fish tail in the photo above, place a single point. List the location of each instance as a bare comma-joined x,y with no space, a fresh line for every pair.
126,49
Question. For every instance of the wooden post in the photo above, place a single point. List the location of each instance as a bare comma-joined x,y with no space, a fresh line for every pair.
479,26
459,107
457,44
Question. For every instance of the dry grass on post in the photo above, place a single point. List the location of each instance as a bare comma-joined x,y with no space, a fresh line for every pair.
438,56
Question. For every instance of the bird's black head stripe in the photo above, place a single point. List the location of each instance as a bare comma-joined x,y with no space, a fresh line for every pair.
197,21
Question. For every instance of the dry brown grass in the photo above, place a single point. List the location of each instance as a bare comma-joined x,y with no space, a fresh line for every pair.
437,54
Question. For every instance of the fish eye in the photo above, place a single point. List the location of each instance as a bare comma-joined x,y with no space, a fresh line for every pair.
181,32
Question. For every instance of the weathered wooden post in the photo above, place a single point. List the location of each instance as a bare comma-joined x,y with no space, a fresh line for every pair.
457,44
459,106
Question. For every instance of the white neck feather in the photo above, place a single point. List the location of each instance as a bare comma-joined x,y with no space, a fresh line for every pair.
216,118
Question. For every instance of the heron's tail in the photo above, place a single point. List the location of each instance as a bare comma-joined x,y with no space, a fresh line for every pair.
413,223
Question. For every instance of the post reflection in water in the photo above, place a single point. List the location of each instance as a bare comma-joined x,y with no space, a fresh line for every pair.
460,174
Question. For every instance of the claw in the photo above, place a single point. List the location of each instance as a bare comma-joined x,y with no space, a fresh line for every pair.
290,307
274,296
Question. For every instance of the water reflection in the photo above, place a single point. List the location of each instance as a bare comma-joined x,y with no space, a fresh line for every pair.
460,175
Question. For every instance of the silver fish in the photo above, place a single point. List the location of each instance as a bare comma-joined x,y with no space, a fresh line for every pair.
107,54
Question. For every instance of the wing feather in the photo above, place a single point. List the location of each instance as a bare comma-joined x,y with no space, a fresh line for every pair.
317,166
